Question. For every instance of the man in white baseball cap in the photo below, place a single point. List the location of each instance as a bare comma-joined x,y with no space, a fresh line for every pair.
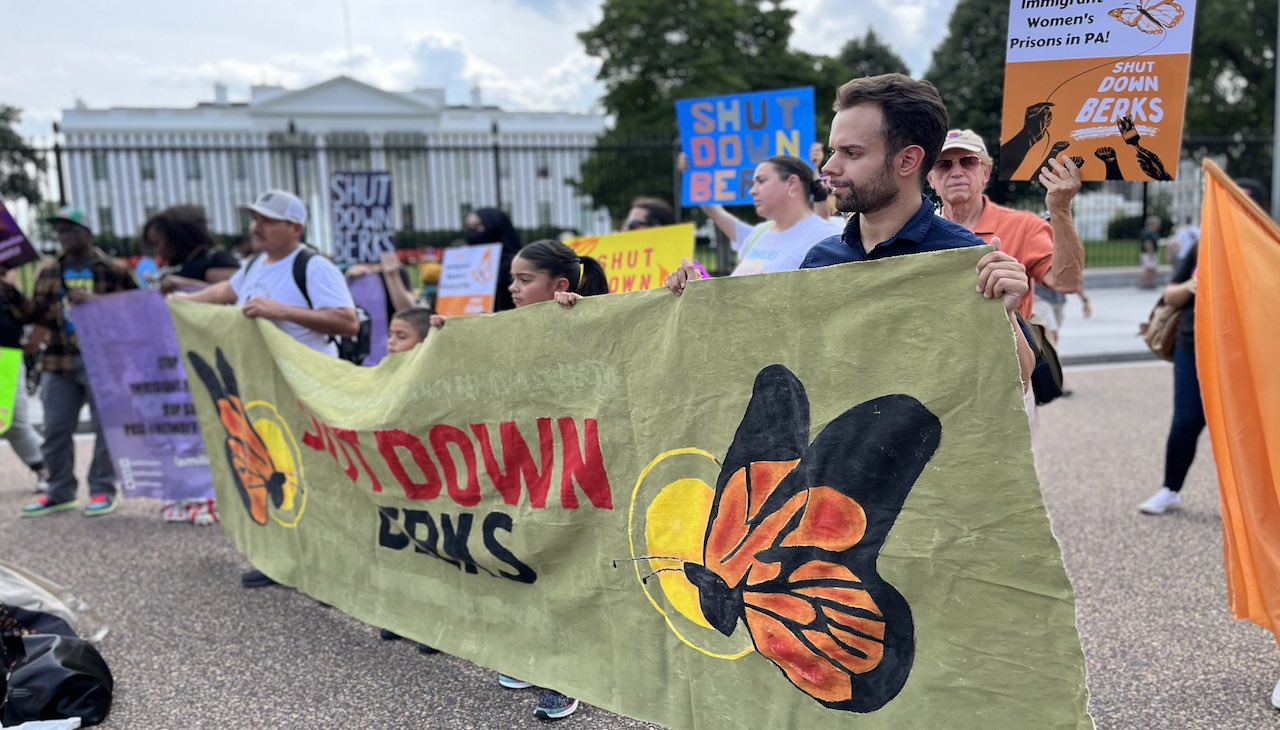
279,205
269,285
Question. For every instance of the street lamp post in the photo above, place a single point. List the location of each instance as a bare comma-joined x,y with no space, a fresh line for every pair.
293,154
57,162
497,166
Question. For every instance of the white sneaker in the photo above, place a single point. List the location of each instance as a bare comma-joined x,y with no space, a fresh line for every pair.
1161,502
1275,696
204,513
173,512
513,683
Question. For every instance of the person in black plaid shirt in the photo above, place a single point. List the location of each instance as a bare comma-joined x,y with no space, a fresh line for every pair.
79,273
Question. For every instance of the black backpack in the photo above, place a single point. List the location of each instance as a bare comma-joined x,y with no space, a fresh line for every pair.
352,349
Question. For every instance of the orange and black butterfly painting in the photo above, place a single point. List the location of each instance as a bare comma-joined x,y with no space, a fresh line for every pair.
254,469
793,534
1150,16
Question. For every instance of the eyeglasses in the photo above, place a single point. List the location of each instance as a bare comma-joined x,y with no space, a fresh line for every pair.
968,162
636,223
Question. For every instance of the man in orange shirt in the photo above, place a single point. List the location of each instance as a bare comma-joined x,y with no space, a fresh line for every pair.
1051,251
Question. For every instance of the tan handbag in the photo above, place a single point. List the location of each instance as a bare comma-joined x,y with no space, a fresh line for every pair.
1160,331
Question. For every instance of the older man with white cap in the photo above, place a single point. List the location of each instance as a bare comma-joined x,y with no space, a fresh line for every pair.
268,286
1051,252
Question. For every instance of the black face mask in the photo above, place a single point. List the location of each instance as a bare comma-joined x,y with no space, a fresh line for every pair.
475,237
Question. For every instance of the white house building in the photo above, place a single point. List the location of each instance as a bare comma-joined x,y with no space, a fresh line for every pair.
122,164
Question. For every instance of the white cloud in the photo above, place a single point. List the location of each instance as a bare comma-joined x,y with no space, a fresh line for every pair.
911,27
446,60
524,54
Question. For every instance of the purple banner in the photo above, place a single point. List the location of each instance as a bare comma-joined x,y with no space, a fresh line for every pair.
139,383
363,219
15,249
370,291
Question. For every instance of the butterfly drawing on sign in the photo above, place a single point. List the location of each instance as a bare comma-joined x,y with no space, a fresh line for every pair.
254,469
793,535
1150,17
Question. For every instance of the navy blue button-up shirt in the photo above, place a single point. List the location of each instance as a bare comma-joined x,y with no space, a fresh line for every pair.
923,233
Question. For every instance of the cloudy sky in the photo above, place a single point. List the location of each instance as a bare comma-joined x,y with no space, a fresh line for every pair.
522,53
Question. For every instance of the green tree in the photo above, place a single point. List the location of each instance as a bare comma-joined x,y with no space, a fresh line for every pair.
870,56
653,52
1232,86
1232,69
968,69
19,163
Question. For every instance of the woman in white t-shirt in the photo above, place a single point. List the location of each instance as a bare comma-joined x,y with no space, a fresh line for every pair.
783,190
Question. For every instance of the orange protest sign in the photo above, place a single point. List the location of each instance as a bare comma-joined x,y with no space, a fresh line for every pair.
1105,86
1237,295
469,280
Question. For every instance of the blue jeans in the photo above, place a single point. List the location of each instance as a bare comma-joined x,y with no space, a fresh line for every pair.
1188,418
63,395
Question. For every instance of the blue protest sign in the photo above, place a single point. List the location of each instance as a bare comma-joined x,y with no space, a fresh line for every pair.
725,137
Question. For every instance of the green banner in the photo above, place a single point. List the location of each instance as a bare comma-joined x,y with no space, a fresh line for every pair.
10,381
797,500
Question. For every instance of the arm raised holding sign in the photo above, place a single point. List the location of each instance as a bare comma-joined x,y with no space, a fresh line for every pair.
783,189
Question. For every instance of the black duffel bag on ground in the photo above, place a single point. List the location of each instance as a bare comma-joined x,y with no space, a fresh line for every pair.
51,677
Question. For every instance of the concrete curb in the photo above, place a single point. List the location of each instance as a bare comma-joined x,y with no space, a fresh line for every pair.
1101,358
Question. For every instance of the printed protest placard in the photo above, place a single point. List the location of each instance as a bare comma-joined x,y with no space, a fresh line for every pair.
725,137
10,381
140,388
363,219
468,280
15,248
1102,83
641,259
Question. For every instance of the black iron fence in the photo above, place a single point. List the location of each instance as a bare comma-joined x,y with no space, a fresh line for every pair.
540,185
434,186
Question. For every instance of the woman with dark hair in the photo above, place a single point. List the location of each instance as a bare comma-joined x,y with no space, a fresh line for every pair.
181,239
490,225
784,189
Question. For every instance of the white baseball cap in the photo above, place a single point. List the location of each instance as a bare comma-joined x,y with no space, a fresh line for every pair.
279,205
964,139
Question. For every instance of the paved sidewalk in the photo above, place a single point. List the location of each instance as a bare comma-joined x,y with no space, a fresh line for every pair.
1111,334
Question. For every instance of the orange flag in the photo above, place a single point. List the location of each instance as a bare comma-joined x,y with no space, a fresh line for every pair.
1237,355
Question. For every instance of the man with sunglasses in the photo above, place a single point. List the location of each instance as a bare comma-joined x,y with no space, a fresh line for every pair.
1051,251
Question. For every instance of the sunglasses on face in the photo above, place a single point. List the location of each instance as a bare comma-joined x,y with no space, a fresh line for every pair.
636,224
968,162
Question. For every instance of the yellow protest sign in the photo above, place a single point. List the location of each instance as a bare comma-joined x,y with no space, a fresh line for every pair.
638,260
